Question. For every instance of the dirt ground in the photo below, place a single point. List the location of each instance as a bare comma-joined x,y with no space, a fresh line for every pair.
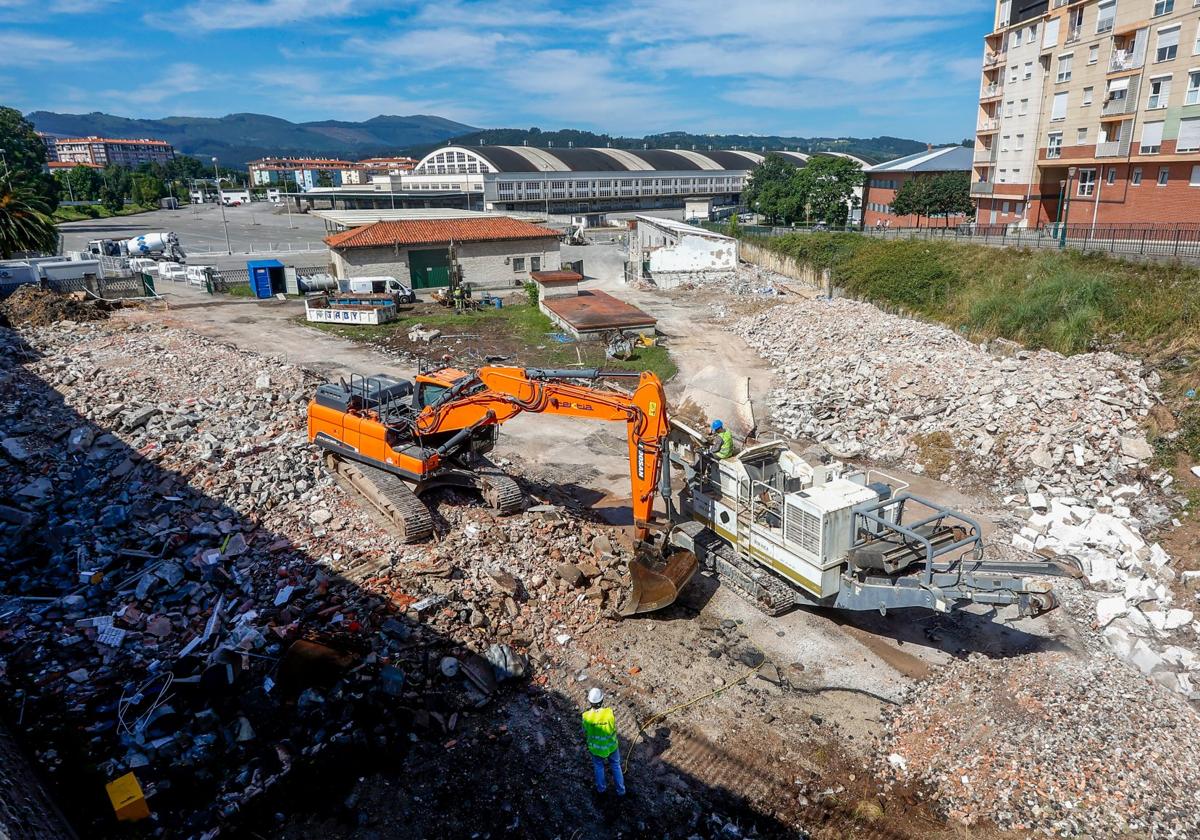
789,756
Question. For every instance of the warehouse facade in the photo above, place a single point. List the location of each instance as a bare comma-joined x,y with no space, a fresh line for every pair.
494,252
578,180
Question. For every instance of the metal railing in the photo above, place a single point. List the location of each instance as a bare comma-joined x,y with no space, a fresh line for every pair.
989,91
262,248
1176,241
1121,62
987,125
982,188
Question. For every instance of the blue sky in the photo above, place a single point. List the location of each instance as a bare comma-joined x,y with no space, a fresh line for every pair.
791,67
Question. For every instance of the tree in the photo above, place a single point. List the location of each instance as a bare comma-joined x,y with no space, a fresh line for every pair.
147,190
913,198
733,228
828,184
81,183
950,195
25,223
25,157
771,189
111,200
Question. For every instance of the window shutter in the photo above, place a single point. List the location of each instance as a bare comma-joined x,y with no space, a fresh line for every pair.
1050,35
1168,37
1059,111
1152,133
1189,135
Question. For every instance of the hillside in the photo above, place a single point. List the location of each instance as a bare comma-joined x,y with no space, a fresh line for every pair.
238,138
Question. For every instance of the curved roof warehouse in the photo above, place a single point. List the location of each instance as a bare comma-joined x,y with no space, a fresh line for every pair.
582,179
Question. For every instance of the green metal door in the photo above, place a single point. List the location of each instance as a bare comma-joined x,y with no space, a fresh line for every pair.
428,269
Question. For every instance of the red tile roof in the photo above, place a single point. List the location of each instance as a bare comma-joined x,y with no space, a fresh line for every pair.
436,231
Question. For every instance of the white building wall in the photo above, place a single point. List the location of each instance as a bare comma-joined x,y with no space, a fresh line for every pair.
671,249
1018,155
487,265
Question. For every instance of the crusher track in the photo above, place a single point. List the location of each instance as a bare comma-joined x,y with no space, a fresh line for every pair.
390,494
500,491
758,586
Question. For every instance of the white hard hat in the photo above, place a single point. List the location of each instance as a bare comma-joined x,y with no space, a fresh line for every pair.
595,697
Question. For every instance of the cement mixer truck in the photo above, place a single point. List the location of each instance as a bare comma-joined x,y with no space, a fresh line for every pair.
163,245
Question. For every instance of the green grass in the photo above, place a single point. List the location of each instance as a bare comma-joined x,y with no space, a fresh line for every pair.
240,290
522,322
1062,300
95,211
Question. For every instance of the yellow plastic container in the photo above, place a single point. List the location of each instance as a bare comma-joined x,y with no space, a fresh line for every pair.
128,801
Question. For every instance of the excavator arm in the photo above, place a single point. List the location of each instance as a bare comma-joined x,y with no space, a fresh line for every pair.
497,394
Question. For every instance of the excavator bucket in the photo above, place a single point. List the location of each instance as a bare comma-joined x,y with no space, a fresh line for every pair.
657,582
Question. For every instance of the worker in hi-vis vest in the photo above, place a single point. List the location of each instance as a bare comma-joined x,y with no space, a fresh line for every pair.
720,441
600,727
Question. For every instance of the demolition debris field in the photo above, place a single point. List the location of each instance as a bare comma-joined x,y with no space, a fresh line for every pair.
187,595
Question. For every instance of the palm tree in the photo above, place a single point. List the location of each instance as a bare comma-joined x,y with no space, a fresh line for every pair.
25,223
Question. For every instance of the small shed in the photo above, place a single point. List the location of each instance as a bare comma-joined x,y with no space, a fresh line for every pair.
267,278
556,284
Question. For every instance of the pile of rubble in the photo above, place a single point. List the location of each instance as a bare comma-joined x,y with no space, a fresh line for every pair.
747,280
32,306
865,383
190,597
1051,743
1135,610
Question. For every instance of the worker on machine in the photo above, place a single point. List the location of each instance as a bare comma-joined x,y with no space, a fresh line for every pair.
600,727
720,442
459,296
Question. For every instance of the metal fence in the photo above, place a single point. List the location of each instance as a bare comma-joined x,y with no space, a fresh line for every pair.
241,276
1178,241
260,248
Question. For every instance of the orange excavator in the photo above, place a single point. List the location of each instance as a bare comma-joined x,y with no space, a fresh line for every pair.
394,439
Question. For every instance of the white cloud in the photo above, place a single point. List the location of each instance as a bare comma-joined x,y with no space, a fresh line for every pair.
209,16
178,80
25,49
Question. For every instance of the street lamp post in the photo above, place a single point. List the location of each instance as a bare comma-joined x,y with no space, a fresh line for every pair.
221,203
1066,208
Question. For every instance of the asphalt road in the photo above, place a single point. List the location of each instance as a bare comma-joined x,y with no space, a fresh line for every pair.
254,230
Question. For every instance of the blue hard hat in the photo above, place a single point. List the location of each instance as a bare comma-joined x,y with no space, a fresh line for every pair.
717,425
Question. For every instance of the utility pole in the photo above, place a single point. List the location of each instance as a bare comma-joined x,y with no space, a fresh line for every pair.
1066,208
221,202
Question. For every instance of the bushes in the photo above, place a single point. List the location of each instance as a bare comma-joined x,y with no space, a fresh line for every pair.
1065,301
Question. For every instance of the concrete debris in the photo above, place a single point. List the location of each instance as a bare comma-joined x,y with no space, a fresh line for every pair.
1133,604
31,306
179,513
1037,771
860,381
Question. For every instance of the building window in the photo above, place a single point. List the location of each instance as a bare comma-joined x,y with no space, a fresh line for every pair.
1093,53
1080,136
1136,178
1151,142
1058,111
535,263
1004,208
1087,96
1024,107
1160,92
1028,69
1016,36
1004,143
1163,7
1012,73
1054,144
1003,176
518,264
1195,179
1106,15
1008,108
1087,182
1189,135
1164,175
1193,89
1168,43
1020,144
1112,176
1064,67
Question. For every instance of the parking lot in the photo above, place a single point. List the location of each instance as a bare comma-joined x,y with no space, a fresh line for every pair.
254,230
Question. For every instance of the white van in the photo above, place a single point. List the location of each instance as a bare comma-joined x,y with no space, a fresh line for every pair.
382,286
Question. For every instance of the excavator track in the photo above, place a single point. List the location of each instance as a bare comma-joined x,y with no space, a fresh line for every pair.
390,494
500,491
768,593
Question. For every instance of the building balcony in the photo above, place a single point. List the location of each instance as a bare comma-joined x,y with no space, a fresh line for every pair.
1110,149
994,58
991,91
1122,61
982,188
988,126
984,155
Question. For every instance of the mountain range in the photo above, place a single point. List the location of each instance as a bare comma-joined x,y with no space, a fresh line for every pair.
239,138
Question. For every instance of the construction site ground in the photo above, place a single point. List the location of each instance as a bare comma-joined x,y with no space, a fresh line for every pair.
784,739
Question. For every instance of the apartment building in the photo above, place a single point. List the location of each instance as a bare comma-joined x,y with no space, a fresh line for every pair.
307,173
1090,110
102,151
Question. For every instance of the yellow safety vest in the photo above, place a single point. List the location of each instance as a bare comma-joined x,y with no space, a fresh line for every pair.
726,449
600,726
